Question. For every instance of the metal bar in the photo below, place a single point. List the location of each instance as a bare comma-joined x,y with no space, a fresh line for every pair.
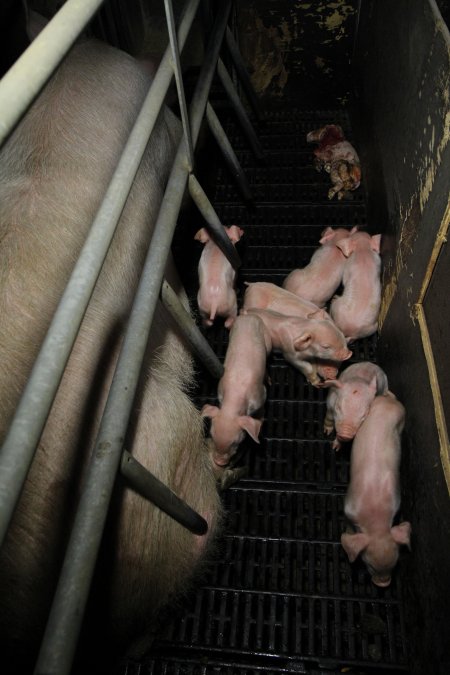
242,73
32,412
239,110
64,622
179,81
225,146
214,225
146,484
190,330
24,80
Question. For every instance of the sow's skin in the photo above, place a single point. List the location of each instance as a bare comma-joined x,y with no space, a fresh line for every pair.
241,390
303,341
373,496
54,171
350,398
356,311
318,281
338,157
217,295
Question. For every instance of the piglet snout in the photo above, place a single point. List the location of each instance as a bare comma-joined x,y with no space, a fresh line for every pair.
345,433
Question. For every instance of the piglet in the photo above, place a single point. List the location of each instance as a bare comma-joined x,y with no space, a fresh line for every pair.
338,157
356,310
241,390
217,295
264,295
318,281
373,496
350,397
303,341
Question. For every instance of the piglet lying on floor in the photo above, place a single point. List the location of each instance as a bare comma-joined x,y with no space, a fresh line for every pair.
241,391
373,496
338,157
216,295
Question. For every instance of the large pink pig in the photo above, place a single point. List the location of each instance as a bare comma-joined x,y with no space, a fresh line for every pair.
338,157
216,295
241,390
350,397
373,496
323,275
264,295
303,341
356,310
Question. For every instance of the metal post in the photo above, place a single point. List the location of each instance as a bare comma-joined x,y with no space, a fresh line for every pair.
179,81
63,626
214,225
225,146
32,412
243,74
240,110
146,484
190,330
25,79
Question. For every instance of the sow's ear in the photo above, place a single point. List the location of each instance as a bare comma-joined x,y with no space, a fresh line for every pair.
402,534
354,544
210,411
251,425
202,235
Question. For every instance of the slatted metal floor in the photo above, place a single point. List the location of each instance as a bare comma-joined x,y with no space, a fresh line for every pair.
281,596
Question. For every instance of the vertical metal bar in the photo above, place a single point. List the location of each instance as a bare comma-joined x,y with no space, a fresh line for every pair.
214,225
24,80
190,330
179,81
240,110
225,146
26,428
242,73
71,594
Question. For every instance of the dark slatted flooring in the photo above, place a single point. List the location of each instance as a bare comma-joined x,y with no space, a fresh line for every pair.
282,596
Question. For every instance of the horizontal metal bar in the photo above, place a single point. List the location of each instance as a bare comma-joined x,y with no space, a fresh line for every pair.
71,595
214,226
191,331
25,79
240,111
226,148
20,444
242,73
148,486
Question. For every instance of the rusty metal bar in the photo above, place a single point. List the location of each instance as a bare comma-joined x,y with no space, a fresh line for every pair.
226,148
214,226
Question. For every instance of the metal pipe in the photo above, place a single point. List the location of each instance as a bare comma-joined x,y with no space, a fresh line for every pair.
25,79
32,412
190,330
243,74
225,146
239,110
64,622
179,81
214,225
146,484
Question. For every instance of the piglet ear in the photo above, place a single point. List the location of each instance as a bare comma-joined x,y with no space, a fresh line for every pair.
326,384
346,246
202,235
251,425
234,233
326,235
210,411
402,534
354,229
373,385
302,342
375,242
354,544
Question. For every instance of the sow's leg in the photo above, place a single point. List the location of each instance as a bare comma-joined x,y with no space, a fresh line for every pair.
54,171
